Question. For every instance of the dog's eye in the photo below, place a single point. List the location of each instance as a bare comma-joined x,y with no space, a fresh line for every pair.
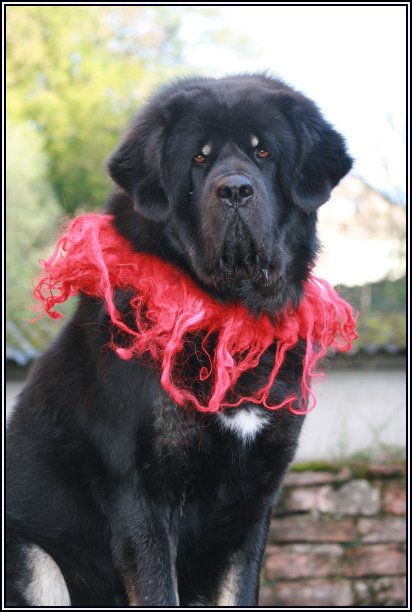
199,159
262,153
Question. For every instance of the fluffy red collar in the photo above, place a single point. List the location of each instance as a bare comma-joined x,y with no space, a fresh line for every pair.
93,258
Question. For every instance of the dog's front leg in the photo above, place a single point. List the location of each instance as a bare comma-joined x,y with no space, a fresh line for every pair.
239,582
144,551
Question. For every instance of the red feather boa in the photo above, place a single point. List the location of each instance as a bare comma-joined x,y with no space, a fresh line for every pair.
93,258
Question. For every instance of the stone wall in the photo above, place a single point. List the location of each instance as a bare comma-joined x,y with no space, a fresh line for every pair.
337,538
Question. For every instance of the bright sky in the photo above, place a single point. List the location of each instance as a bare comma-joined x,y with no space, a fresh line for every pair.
350,59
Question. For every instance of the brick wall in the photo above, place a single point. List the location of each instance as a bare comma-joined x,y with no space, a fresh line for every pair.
337,538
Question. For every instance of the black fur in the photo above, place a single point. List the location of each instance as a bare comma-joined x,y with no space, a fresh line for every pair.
139,501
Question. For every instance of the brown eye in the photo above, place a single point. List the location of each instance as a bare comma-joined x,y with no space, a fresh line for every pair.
262,153
199,159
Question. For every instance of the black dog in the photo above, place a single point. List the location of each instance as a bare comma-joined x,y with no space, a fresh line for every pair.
116,496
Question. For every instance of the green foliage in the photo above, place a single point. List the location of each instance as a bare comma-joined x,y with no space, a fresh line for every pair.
78,74
315,466
385,296
31,214
381,308
382,329
358,465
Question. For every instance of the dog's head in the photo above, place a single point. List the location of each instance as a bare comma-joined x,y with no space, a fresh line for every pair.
224,177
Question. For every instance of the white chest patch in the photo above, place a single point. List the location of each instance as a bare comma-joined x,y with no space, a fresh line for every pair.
245,423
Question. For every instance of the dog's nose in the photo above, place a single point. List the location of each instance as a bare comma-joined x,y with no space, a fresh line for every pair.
235,189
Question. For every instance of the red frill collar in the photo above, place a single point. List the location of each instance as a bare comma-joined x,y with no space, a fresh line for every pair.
93,258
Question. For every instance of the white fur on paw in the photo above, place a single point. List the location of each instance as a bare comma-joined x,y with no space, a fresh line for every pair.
47,586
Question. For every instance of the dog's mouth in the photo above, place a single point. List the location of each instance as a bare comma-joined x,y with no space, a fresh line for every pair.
241,257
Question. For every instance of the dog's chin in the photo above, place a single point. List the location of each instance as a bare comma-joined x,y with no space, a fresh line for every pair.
273,299
242,256
262,289
259,291
261,285
225,276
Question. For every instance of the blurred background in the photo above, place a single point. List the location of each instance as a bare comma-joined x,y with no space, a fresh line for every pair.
76,75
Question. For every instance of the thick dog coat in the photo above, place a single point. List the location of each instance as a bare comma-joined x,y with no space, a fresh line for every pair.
118,493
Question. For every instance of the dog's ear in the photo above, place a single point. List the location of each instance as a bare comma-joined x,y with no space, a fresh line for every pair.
137,164
321,157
